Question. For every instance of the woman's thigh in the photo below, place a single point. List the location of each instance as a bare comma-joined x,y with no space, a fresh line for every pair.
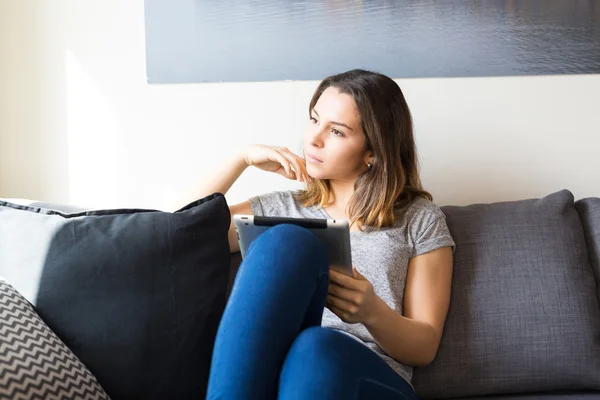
280,290
327,364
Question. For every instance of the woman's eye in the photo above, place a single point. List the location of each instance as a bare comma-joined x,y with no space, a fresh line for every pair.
337,133
313,120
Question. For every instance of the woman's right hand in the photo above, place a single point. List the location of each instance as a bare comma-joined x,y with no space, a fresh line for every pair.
277,159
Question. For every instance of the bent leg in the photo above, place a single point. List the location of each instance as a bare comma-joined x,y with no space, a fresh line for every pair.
327,364
280,289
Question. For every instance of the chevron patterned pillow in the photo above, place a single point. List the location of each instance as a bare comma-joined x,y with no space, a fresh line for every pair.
34,362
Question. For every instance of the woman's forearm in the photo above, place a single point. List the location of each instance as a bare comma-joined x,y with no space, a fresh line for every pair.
407,341
224,176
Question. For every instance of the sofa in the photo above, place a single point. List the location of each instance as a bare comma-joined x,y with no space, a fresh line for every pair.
523,322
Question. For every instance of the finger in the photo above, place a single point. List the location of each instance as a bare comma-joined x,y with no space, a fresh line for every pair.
341,304
302,164
288,173
334,309
300,161
356,274
340,314
342,292
294,162
285,164
298,174
342,279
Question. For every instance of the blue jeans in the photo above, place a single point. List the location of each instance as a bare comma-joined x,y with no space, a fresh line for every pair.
270,343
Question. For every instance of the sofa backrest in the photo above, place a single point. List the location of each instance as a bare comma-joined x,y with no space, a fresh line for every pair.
524,314
589,212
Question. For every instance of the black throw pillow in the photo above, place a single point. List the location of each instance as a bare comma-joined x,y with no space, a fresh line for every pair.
137,295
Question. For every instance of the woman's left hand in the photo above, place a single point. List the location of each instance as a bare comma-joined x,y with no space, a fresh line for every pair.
351,298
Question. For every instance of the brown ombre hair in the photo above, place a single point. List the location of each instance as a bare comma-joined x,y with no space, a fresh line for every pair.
393,179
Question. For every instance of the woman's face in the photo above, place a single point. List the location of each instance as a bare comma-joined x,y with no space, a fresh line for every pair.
334,143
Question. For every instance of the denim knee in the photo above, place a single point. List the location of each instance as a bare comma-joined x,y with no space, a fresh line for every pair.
317,347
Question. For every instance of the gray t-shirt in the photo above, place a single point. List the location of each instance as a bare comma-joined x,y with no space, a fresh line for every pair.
382,256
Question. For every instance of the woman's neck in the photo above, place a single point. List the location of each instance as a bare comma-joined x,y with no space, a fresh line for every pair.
342,192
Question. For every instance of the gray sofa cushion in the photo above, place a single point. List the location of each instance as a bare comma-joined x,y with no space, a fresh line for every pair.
589,211
524,315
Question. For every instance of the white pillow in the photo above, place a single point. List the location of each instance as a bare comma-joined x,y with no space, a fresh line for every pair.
34,362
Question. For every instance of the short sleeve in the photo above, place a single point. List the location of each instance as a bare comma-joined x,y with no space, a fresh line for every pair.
273,204
256,205
434,236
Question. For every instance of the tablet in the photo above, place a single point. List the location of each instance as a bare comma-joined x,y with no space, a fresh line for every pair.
334,233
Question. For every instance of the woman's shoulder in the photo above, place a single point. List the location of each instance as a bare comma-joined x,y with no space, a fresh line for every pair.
427,226
420,211
422,205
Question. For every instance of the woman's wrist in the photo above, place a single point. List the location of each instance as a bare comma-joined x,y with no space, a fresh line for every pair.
240,160
239,157
377,313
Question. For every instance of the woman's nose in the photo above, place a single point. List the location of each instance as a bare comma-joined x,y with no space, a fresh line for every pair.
317,138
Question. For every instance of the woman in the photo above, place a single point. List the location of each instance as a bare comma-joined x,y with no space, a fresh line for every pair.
293,328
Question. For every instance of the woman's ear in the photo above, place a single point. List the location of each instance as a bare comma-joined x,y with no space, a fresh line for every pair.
369,160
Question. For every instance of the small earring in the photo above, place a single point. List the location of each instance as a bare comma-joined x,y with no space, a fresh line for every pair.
369,165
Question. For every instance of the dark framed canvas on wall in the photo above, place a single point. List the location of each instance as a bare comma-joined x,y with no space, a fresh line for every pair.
271,40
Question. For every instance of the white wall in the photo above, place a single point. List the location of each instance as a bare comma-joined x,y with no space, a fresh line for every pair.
79,123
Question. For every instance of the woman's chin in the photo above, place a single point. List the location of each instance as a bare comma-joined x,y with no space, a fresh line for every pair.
312,171
315,174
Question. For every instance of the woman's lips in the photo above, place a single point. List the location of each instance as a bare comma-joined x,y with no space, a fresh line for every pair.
312,159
